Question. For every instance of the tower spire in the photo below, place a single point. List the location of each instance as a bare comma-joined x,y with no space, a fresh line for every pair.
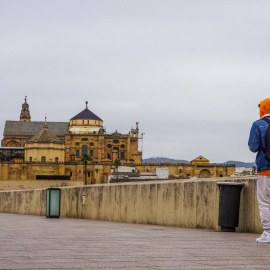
86,102
25,113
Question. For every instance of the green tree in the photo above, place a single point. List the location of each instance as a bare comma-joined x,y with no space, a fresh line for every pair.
254,169
117,163
86,158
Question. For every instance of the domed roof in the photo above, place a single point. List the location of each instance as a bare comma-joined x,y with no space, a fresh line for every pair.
86,114
45,136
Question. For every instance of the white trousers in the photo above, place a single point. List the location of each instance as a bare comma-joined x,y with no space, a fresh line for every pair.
263,196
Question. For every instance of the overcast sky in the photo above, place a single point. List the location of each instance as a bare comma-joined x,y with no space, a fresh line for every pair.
190,72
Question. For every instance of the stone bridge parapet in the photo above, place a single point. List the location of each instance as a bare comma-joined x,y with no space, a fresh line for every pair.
183,203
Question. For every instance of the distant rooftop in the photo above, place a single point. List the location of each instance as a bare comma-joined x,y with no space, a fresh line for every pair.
31,128
86,114
45,136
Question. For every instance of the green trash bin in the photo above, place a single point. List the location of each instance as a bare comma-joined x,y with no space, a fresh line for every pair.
229,202
53,199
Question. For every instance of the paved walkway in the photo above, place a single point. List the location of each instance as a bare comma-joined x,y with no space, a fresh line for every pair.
34,242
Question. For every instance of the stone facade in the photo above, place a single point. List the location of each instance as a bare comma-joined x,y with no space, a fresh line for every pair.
103,148
97,173
183,170
44,147
56,148
83,134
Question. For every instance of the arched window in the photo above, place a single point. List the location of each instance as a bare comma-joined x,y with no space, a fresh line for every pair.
13,144
43,159
84,149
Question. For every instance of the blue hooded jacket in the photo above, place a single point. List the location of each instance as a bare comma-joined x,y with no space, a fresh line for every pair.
256,143
256,140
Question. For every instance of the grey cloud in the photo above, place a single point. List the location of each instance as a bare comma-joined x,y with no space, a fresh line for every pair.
191,72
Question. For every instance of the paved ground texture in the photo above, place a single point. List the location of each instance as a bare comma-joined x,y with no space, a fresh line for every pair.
34,242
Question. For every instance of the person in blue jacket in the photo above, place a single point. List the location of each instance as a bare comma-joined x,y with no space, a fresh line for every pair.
257,145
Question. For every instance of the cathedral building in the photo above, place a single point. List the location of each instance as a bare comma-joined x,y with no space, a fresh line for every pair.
32,150
69,141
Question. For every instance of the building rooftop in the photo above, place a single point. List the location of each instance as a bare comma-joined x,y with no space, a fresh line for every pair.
86,114
45,136
22,128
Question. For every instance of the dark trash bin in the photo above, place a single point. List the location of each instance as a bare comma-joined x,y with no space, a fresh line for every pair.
53,199
229,201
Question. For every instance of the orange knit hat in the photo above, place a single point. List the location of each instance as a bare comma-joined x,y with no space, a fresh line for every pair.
264,107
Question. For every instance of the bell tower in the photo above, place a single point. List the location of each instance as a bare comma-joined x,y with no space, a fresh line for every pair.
25,113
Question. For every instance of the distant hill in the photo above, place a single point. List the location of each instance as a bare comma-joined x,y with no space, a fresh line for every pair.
175,161
163,159
240,163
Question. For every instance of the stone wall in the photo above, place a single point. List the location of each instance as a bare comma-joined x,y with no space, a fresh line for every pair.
28,171
183,170
96,173
183,203
26,184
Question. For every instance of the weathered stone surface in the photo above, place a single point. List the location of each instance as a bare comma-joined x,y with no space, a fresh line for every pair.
34,242
98,172
184,203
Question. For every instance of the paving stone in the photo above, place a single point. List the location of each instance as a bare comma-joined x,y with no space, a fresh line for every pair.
34,242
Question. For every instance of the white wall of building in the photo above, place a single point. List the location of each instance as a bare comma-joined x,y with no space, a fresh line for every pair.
242,169
162,173
127,169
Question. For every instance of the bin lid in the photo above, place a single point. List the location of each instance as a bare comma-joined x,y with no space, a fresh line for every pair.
230,184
